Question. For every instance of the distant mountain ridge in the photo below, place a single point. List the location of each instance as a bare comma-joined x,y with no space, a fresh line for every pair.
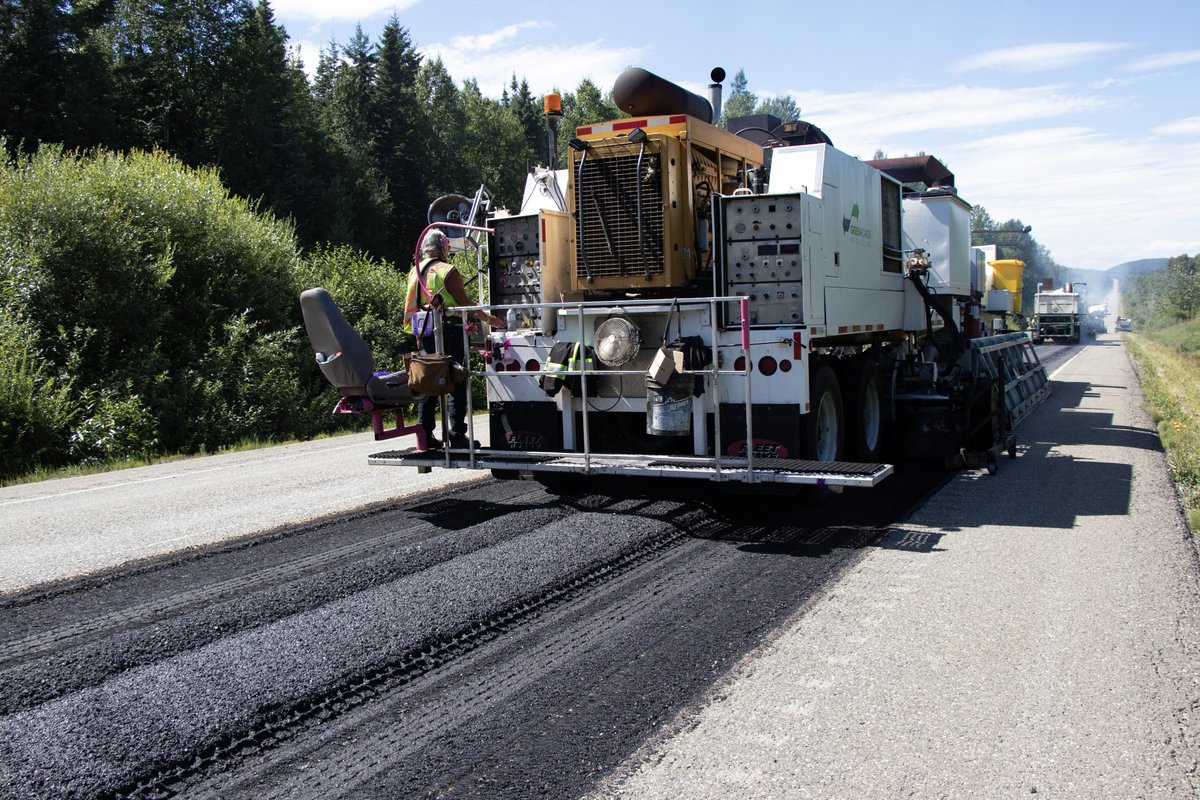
1122,272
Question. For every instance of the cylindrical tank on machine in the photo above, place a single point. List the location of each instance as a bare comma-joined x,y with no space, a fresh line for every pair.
641,93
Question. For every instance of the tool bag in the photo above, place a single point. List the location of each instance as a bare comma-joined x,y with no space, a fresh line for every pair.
433,374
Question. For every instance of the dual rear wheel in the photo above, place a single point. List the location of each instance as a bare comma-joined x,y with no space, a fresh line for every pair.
846,416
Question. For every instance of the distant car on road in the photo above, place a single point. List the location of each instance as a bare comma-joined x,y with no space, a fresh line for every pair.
1124,324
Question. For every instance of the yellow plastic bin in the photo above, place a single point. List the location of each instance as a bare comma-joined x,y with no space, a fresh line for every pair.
1006,274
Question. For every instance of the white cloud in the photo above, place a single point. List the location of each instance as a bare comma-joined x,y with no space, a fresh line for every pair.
1038,57
1165,60
524,48
488,41
860,122
1094,199
545,65
351,10
1184,127
1110,83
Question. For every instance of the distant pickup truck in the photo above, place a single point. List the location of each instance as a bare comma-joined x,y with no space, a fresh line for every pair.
1124,324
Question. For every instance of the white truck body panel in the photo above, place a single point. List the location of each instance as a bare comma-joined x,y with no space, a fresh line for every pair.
940,224
1056,302
847,288
545,190
981,277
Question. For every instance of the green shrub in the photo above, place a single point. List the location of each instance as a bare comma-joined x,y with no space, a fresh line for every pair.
1172,391
158,314
128,268
115,425
36,409
370,295
247,384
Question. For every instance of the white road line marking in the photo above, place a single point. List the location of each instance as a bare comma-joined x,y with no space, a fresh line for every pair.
1064,366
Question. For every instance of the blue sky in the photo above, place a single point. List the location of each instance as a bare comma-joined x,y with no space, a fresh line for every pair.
1081,119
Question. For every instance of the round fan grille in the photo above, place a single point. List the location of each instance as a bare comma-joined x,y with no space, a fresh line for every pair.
617,341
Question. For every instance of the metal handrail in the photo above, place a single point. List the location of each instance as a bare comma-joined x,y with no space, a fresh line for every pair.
581,306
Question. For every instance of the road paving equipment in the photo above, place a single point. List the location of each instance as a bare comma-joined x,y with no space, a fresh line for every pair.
1057,315
748,306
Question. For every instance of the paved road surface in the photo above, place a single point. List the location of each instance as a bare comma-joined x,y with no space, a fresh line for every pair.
1048,646
71,526
1042,639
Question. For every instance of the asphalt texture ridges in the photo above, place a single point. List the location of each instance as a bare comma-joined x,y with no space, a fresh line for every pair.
580,625
1032,632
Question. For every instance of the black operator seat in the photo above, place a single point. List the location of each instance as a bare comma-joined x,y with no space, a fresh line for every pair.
345,359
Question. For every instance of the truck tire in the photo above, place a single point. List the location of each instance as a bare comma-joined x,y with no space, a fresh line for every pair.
824,424
865,413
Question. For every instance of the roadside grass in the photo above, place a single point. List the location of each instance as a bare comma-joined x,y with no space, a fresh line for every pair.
1168,363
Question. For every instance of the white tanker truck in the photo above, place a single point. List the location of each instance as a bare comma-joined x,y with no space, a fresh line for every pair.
744,306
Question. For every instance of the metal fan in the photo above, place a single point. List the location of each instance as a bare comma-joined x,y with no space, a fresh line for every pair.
617,341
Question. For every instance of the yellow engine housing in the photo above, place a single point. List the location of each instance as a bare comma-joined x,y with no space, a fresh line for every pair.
684,162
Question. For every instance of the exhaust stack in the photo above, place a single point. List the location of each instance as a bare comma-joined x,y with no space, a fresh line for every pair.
714,93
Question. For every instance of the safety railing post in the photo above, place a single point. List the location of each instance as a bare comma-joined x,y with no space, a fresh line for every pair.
744,310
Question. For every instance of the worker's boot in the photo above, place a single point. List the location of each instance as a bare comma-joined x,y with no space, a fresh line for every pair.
460,440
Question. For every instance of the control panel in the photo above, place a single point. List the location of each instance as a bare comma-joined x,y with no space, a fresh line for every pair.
516,275
763,260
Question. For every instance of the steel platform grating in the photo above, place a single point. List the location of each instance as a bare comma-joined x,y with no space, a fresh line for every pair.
762,470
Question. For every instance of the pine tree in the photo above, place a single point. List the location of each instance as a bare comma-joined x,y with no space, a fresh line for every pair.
399,135
171,59
529,115
495,146
443,106
55,81
359,208
740,101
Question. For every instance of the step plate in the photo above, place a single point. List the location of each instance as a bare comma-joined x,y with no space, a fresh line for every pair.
763,470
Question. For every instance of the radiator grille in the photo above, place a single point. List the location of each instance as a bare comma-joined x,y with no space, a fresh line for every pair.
607,229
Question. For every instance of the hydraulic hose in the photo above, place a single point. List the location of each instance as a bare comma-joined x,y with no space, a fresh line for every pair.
956,339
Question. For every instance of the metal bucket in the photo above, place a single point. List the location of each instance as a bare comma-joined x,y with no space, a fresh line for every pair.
669,407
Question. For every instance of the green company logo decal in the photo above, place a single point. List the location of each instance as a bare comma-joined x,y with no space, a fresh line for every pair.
850,224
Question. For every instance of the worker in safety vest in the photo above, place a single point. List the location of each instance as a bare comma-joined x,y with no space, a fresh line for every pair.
436,287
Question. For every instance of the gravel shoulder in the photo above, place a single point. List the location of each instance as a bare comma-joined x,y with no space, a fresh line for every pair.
1046,645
